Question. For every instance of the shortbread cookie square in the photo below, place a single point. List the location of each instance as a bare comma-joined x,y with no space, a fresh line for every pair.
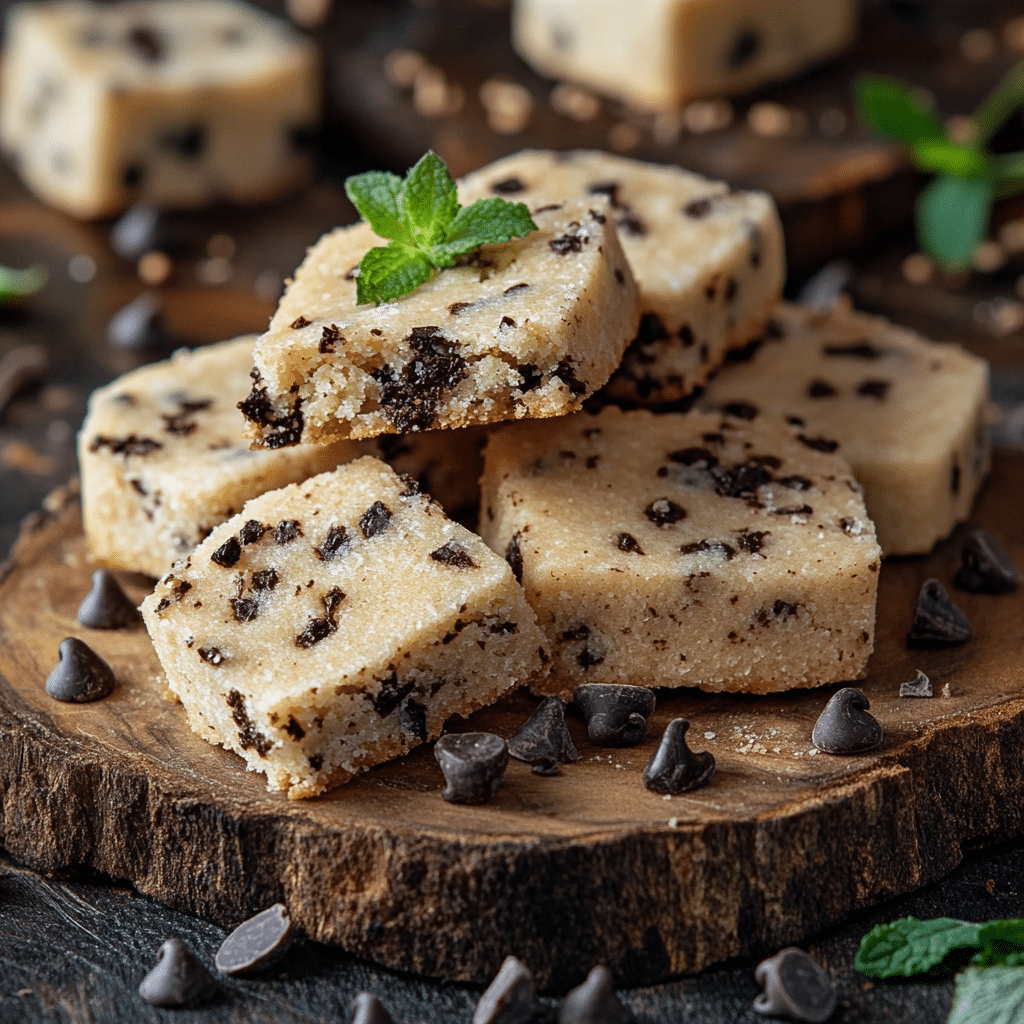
338,623
709,261
684,550
527,328
908,414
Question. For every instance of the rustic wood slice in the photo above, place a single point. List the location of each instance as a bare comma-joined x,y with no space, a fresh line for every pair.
565,872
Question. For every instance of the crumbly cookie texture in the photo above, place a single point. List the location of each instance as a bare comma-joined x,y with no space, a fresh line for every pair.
709,261
181,103
527,328
684,550
336,624
665,52
908,414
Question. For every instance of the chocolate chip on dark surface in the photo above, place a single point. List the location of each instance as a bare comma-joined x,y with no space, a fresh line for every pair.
473,764
107,606
514,557
873,388
286,531
368,1009
565,244
986,568
693,456
178,979
616,714
845,727
593,1002
212,656
919,686
664,512
821,389
147,43
80,676
511,998
139,326
508,187
228,553
454,555
937,621
252,531
858,350
187,142
628,543
544,740
675,768
257,943
337,542
818,444
376,519
299,322
796,987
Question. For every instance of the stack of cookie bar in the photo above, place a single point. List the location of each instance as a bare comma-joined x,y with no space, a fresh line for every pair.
326,613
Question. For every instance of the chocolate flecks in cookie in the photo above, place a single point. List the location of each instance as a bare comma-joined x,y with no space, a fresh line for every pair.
628,543
507,321
319,629
508,187
693,456
248,735
286,531
717,546
565,244
413,716
745,47
454,555
132,175
794,510
779,610
515,288
744,353
609,189
741,410
937,621
80,676
632,225
731,289
299,322
819,444
330,338
752,541
664,512
391,694
245,609
212,656
228,553
699,208
616,714
531,376
873,388
280,429
592,461
265,579
795,483
316,761
473,765
675,768
514,557
457,307
544,741
987,568
685,335
251,532
743,479
845,727
857,350
107,606
131,445
187,143
567,375
337,542
821,389
376,519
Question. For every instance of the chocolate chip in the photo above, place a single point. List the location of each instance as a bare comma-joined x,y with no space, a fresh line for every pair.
859,350
565,372
675,768
320,629
820,389
515,288
330,338
252,532
139,326
937,621
107,606
698,208
454,555
141,229
178,979
511,998
845,727
741,410
337,542
795,483
987,568
147,43
616,714
376,519
257,943
514,557
299,323
795,986
692,456
132,175
248,735
228,553
873,389
544,740
212,656
457,307
565,244
593,1002
286,531
473,764
919,686
508,187
187,142
245,609
609,189
279,428
632,225
663,512
80,676
628,543
265,579
745,47
819,444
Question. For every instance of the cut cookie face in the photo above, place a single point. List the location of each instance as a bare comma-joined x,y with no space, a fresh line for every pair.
527,328
338,623
684,550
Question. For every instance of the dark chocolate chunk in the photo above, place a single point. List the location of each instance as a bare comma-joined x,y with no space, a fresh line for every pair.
937,621
845,727
80,676
248,735
320,629
279,428
187,142
473,764
228,553
139,326
454,555
178,979
212,655
819,444
330,338
609,189
873,388
391,694
616,714
987,568
457,307
796,987
693,456
919,686
628,543
741,410
413,718
252,531
567,375
245,609
858,350
147,43
675,768
376,519
515,288
141,229
514,557
368,1009
718,546
107,606
507,321
257,943
752,540
508,187
593,1002
511,998
299,322
743,479
286,531
265,579
795,483
954,477
664,512
544,740
566,244
744,49
820,389
699,208
337,542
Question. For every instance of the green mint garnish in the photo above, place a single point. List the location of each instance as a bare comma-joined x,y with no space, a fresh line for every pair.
952,213
426,226
19,284
993,995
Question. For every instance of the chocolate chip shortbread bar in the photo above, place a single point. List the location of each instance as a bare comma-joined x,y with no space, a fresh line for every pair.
684,550
907,414
337,623
526,328
708,260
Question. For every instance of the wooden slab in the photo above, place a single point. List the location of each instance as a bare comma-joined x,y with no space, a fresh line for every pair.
564,872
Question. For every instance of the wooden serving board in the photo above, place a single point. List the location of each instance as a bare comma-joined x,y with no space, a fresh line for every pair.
564,872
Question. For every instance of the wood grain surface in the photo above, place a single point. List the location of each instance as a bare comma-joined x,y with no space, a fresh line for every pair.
569,871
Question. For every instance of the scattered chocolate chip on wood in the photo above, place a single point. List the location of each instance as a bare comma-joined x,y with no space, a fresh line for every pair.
919,686
80,676
511,998
107,606
616,714
139,326
544,740
141,229
937,621
593,1002
675,768
257,943
473,764
795,986
178,979
22,366
845,727
368,1009
987,568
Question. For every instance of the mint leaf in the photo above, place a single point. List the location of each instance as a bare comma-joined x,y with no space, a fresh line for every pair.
992,995
377,197
892,109
952,217
909,946
944,157
429,201
19,284
485,222
391,271
1002,942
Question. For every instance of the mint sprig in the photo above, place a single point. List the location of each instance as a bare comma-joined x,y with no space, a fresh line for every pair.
427,227
952,214
994,995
